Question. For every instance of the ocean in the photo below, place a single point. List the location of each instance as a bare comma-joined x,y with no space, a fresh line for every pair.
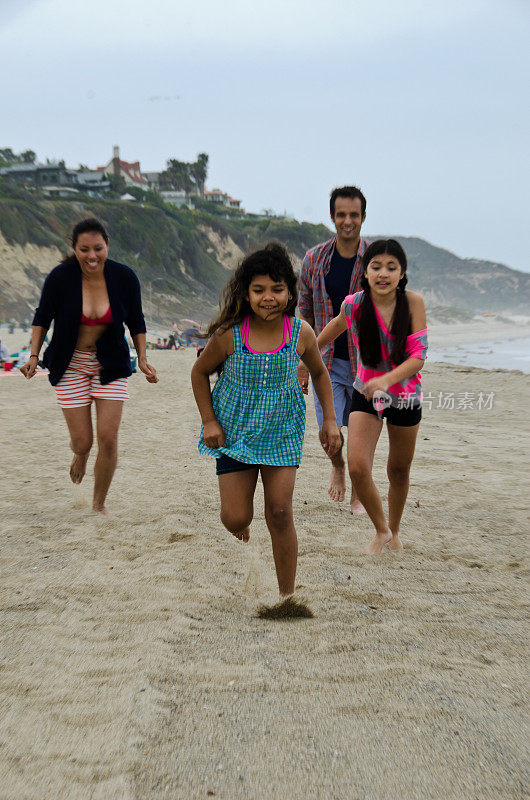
496,354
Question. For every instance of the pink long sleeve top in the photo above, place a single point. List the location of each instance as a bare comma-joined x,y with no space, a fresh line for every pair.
407,393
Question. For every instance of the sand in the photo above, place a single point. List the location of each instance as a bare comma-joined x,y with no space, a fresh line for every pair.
132,662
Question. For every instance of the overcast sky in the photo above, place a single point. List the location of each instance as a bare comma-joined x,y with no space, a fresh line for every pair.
421,103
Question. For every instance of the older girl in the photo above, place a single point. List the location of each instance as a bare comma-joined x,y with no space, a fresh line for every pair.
389,329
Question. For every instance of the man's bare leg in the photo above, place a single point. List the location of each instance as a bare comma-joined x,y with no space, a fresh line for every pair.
79,421
337,482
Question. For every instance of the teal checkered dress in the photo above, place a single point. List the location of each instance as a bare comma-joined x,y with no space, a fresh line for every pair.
259,404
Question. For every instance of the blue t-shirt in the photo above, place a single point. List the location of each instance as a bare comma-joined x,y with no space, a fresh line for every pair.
337,283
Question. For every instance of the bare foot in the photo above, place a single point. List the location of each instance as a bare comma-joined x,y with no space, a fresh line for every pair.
243,535
337,483
377,544
356,507
395,543
78,468
103,511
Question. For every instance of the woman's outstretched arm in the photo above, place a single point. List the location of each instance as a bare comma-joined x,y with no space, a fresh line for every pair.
38,336
139,340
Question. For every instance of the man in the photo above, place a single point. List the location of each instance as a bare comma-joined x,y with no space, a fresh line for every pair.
329,272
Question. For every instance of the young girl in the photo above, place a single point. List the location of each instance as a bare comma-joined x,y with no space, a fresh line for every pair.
254,420
389,329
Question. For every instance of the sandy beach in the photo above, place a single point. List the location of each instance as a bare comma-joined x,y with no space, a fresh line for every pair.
132,662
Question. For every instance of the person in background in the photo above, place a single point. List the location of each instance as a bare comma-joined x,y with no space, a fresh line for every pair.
4,353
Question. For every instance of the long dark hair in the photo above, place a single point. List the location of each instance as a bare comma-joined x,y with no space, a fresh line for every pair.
272,260
369,339
88,225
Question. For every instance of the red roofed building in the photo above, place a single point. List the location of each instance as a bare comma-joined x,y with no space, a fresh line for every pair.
217,196
130,172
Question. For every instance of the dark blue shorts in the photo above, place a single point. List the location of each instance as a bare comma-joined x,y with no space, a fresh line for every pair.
225,464
403,417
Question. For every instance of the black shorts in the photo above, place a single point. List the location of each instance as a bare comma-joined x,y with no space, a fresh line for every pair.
403,417
225,464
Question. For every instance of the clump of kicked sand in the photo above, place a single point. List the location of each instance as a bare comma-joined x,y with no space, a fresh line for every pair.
285,609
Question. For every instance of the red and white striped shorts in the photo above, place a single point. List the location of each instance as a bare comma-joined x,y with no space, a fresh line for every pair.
80,382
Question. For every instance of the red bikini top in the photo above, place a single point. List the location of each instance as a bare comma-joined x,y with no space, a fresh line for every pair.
106,319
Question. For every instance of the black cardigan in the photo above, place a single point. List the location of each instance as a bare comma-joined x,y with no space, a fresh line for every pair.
62,301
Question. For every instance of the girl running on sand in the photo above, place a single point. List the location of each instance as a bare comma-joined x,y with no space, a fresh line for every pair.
389,329
254,419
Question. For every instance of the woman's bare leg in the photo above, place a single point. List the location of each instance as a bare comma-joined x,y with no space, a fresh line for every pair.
278,487
402,442
79,421
363,434
237,501
108,418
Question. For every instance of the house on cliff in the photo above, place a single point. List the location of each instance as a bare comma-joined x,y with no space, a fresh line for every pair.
221,198
40,176
129,171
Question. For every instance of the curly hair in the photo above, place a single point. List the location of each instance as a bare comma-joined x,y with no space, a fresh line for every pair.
272,260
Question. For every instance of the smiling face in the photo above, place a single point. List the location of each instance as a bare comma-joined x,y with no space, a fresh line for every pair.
91,250
348,218
267,297
383,274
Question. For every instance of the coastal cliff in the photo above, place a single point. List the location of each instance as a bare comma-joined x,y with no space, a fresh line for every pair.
183,257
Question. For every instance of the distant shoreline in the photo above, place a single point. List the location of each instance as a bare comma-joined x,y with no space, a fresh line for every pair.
503,354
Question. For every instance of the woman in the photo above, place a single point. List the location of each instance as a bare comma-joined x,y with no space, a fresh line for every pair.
89,297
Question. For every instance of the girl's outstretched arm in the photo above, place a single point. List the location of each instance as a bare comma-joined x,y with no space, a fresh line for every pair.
311,357
216,351
332,330
413,364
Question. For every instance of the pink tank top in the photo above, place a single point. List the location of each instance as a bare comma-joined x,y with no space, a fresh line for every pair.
244,336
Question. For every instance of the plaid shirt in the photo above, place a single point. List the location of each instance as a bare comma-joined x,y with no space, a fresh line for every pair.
313,299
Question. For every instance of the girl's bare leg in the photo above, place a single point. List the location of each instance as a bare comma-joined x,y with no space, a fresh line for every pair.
79,421
278,487
108,418
363,434
237,501
402,443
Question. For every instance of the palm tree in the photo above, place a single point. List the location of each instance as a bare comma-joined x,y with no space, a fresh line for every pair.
199,171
